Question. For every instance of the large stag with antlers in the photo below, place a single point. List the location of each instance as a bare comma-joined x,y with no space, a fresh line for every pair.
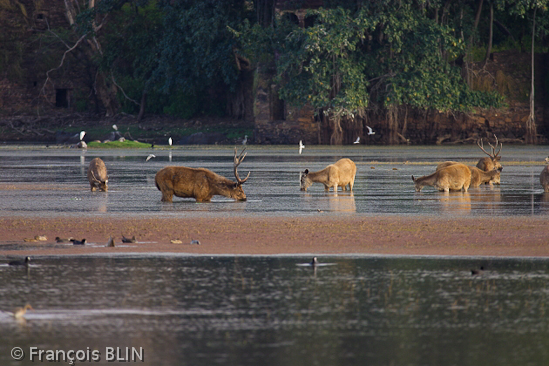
492,161
199,183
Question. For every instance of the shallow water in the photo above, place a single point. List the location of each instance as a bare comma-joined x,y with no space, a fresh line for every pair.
39,181
185,310
269,311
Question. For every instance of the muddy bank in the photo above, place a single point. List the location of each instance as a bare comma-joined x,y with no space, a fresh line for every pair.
322,235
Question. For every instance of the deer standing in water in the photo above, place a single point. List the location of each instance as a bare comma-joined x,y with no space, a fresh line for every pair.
339,174
97,175
454,177
200,183
478,176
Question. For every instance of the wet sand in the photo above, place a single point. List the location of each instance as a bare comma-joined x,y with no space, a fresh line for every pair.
320,235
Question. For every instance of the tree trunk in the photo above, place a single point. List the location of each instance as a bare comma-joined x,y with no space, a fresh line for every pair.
490,35
465,69
477,20
107,94
531,133
392,125
337,132
142,105
104,89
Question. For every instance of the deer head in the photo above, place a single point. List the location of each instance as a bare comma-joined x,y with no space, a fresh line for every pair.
494,156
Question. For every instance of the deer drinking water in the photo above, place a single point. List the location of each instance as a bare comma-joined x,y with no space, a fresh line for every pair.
478,176
199,183
454,177
97,175
339,174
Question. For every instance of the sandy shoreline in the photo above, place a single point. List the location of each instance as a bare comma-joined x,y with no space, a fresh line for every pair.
321,235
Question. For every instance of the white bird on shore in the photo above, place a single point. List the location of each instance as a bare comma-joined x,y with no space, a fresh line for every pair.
170,141
245,141
301,146
150,157
370,131
115,127
357,140
82,134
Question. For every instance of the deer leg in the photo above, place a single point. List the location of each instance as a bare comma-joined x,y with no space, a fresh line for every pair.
167,196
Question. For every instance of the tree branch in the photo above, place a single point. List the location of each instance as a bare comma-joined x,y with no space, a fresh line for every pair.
122,90
43,91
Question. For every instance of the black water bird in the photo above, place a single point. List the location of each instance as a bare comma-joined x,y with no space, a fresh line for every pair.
20,263
78,242
129,240
63,240
476,272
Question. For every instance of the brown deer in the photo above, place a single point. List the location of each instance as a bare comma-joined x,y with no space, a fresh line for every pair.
454,177
478,176
199,183
544,176
97,175
492,161
341,173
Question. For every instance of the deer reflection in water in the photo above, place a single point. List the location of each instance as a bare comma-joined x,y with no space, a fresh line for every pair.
342,202
455,202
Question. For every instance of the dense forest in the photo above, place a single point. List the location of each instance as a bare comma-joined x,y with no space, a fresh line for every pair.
344,58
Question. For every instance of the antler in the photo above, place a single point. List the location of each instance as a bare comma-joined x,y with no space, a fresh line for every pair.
237,160
493,155
481,146
494,148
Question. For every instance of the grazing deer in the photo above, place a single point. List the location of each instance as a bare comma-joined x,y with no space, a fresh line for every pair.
341,173
492,161
199,183
478,176
544,176
97,175
454,177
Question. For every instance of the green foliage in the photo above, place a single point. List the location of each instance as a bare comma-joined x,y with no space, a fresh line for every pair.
355,57
127,144
381,55
182,106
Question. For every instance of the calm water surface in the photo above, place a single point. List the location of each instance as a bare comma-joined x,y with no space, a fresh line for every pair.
45,182
186,310
270,311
